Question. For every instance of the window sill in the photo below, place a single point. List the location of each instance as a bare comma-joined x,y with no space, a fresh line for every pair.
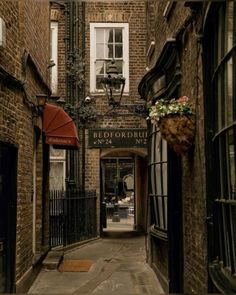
102,93
223,280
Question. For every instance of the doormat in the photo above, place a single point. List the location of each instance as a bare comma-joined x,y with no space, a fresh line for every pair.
75,265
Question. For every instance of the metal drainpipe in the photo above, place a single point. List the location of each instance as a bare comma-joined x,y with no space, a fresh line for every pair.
83,92
67,82
69,86
71,97
76,90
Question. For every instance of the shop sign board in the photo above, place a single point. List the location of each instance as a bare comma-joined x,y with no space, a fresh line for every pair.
122,138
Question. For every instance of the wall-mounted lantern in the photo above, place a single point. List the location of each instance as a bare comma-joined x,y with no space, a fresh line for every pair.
41,101
113,85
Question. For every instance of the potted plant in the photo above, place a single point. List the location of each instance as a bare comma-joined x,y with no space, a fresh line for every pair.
176,121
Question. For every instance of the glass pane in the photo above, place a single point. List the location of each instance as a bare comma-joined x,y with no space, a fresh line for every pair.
223,161
110,182
233,232
160,211
225,234
157,147
166,219
153,191
164,175
164,150
109,35
98,82
119,64
228,82
99,51
100,67
220,35
99,35
152,157
119,51
118,35
57,153
110,53
229,25
57,176
155,205
107,63
232,164
158,180
220,103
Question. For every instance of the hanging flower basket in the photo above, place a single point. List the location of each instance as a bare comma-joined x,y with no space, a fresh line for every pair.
176,121
178,131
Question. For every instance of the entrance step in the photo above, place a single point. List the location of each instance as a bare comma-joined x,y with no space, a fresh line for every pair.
53,259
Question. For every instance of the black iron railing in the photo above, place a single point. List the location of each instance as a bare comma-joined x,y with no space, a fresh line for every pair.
73,216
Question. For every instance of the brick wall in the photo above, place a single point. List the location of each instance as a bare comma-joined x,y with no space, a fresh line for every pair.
10,56
27,30
133,13
193,165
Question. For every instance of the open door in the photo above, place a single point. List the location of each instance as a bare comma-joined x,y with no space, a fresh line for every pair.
118,194
8,163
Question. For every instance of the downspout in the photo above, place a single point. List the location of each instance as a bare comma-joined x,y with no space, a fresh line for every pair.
83,93
70,180
76,90
67,83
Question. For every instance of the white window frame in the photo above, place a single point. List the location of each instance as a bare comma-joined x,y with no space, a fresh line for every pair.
93,27
54,56
59,159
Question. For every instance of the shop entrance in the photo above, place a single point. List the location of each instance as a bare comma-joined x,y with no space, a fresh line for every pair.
118,194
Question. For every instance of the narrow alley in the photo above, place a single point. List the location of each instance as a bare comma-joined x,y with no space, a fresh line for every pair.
117,147
117,264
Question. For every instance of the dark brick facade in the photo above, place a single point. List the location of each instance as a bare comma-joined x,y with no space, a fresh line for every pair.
23,74
179,22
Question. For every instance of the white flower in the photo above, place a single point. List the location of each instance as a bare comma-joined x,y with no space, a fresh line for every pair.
164,107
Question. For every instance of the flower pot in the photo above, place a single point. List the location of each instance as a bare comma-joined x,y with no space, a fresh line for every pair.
178,131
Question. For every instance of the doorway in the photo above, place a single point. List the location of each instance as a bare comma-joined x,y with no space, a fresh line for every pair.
8,164
118,194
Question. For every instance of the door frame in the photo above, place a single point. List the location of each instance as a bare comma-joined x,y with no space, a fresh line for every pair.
102,188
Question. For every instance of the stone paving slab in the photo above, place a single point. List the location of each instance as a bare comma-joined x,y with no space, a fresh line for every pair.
119,268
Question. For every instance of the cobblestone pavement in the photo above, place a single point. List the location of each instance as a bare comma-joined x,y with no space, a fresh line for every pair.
119,267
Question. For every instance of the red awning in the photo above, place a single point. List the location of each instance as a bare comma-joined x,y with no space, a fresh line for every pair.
59,128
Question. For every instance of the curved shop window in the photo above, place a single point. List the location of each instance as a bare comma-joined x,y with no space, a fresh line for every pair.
164,176
158,182
220,74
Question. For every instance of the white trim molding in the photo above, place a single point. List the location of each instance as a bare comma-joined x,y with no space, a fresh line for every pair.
125,43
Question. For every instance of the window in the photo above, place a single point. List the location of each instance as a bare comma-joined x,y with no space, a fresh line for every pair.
57,169
158,181
108,41
54,56
222,162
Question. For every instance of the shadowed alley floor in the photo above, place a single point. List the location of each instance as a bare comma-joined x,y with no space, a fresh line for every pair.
118,267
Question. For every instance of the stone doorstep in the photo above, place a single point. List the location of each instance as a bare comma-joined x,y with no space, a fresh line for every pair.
53,259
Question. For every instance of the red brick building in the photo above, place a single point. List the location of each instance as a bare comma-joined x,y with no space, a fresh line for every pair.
104,31
191,195
24,60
